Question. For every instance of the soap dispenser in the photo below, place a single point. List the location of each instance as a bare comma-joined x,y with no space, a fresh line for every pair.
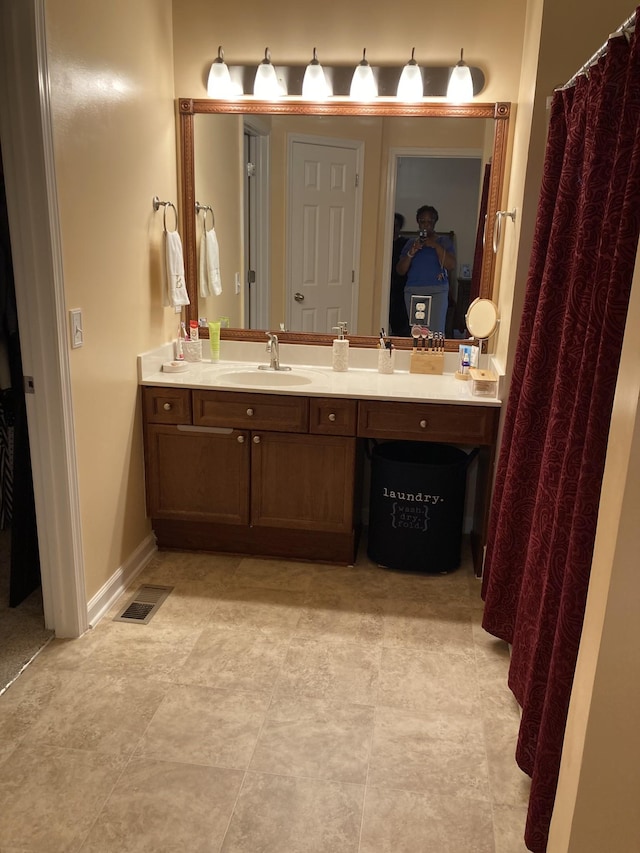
341,348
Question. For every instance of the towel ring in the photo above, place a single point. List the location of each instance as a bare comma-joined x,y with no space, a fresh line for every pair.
157,204
207,209
175,214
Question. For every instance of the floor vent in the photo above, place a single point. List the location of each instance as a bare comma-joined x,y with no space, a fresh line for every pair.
144,605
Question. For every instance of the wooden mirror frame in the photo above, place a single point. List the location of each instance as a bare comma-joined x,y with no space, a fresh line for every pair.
188,108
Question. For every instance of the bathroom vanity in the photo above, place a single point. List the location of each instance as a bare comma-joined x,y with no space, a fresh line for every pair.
240,461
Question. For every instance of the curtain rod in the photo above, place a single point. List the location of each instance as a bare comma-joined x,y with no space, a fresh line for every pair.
624,29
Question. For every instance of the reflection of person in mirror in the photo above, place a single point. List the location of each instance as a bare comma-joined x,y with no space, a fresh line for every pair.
426,261
398,317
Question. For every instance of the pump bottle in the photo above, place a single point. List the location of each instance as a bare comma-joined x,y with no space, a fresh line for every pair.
340,356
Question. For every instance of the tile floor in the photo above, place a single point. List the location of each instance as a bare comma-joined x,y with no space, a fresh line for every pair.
269,707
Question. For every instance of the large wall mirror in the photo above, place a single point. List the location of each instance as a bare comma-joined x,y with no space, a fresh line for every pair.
300,254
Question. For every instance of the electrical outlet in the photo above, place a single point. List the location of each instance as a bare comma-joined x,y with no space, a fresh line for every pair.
237,282
77,335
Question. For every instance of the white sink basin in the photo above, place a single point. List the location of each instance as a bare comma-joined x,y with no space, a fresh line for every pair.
264,377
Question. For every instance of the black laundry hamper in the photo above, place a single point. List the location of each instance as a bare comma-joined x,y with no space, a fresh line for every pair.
416,505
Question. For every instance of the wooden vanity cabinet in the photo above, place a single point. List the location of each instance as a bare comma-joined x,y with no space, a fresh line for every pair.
247,475
279,475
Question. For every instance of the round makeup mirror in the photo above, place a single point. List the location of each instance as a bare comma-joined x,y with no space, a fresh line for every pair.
482,318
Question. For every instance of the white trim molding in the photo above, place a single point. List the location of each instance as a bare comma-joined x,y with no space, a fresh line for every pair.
120,580
27,148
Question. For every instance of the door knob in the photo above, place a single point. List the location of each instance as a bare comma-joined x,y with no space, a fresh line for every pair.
256,439
299,297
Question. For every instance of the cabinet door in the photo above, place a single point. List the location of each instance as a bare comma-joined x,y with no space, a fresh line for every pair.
197,474
305,482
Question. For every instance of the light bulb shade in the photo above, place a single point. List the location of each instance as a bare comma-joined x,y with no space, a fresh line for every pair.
363,83
460,88
219,82
266,82
314,84
410,87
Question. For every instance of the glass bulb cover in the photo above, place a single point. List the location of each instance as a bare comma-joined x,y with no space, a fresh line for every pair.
410,87
219,82
314,83
363,84
266,82
460,88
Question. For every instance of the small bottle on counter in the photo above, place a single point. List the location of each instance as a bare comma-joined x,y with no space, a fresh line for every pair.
340,356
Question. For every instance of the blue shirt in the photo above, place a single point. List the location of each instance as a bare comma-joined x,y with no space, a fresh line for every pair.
425,269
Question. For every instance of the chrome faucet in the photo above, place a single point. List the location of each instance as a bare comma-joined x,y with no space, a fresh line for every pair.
273,348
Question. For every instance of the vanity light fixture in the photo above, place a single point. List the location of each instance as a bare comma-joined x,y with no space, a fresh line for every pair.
460,88
410,86
363,84
314,83
219,82
266,84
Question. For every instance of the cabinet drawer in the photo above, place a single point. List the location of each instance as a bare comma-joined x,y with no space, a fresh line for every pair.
331,416
274,412
427,422
166,405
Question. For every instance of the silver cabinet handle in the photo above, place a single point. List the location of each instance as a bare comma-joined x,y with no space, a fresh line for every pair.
423,424
256,439
167,407
250,412
299,297
332,417
240,439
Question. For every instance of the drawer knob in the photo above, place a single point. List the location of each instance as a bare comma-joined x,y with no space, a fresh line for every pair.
256,439
250,412
167,407
240,439
332,417
423,424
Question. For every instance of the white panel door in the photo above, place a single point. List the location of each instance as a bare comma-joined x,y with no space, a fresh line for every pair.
321,286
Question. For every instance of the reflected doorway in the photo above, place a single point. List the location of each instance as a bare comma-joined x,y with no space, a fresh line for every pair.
324,220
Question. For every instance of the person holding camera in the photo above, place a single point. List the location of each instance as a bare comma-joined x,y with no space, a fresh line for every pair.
426,262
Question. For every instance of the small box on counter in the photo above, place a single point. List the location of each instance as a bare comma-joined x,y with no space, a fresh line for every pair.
485,382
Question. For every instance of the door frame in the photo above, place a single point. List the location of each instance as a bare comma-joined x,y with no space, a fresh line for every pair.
27,147
392,179
333,142
256,226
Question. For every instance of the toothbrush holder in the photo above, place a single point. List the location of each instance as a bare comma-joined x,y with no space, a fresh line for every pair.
192,350
386,360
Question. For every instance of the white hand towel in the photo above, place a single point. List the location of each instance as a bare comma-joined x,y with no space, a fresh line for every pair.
210,281
176,287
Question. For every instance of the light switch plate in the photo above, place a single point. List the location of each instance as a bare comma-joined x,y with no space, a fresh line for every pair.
75,321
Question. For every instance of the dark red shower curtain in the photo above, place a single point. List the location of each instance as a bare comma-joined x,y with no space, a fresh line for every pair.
545,506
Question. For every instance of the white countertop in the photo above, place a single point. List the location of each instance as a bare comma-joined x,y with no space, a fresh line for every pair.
312,365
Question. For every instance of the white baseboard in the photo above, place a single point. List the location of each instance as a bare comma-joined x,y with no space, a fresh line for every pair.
120,580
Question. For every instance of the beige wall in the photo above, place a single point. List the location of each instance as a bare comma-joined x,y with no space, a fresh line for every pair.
114,140
491,35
